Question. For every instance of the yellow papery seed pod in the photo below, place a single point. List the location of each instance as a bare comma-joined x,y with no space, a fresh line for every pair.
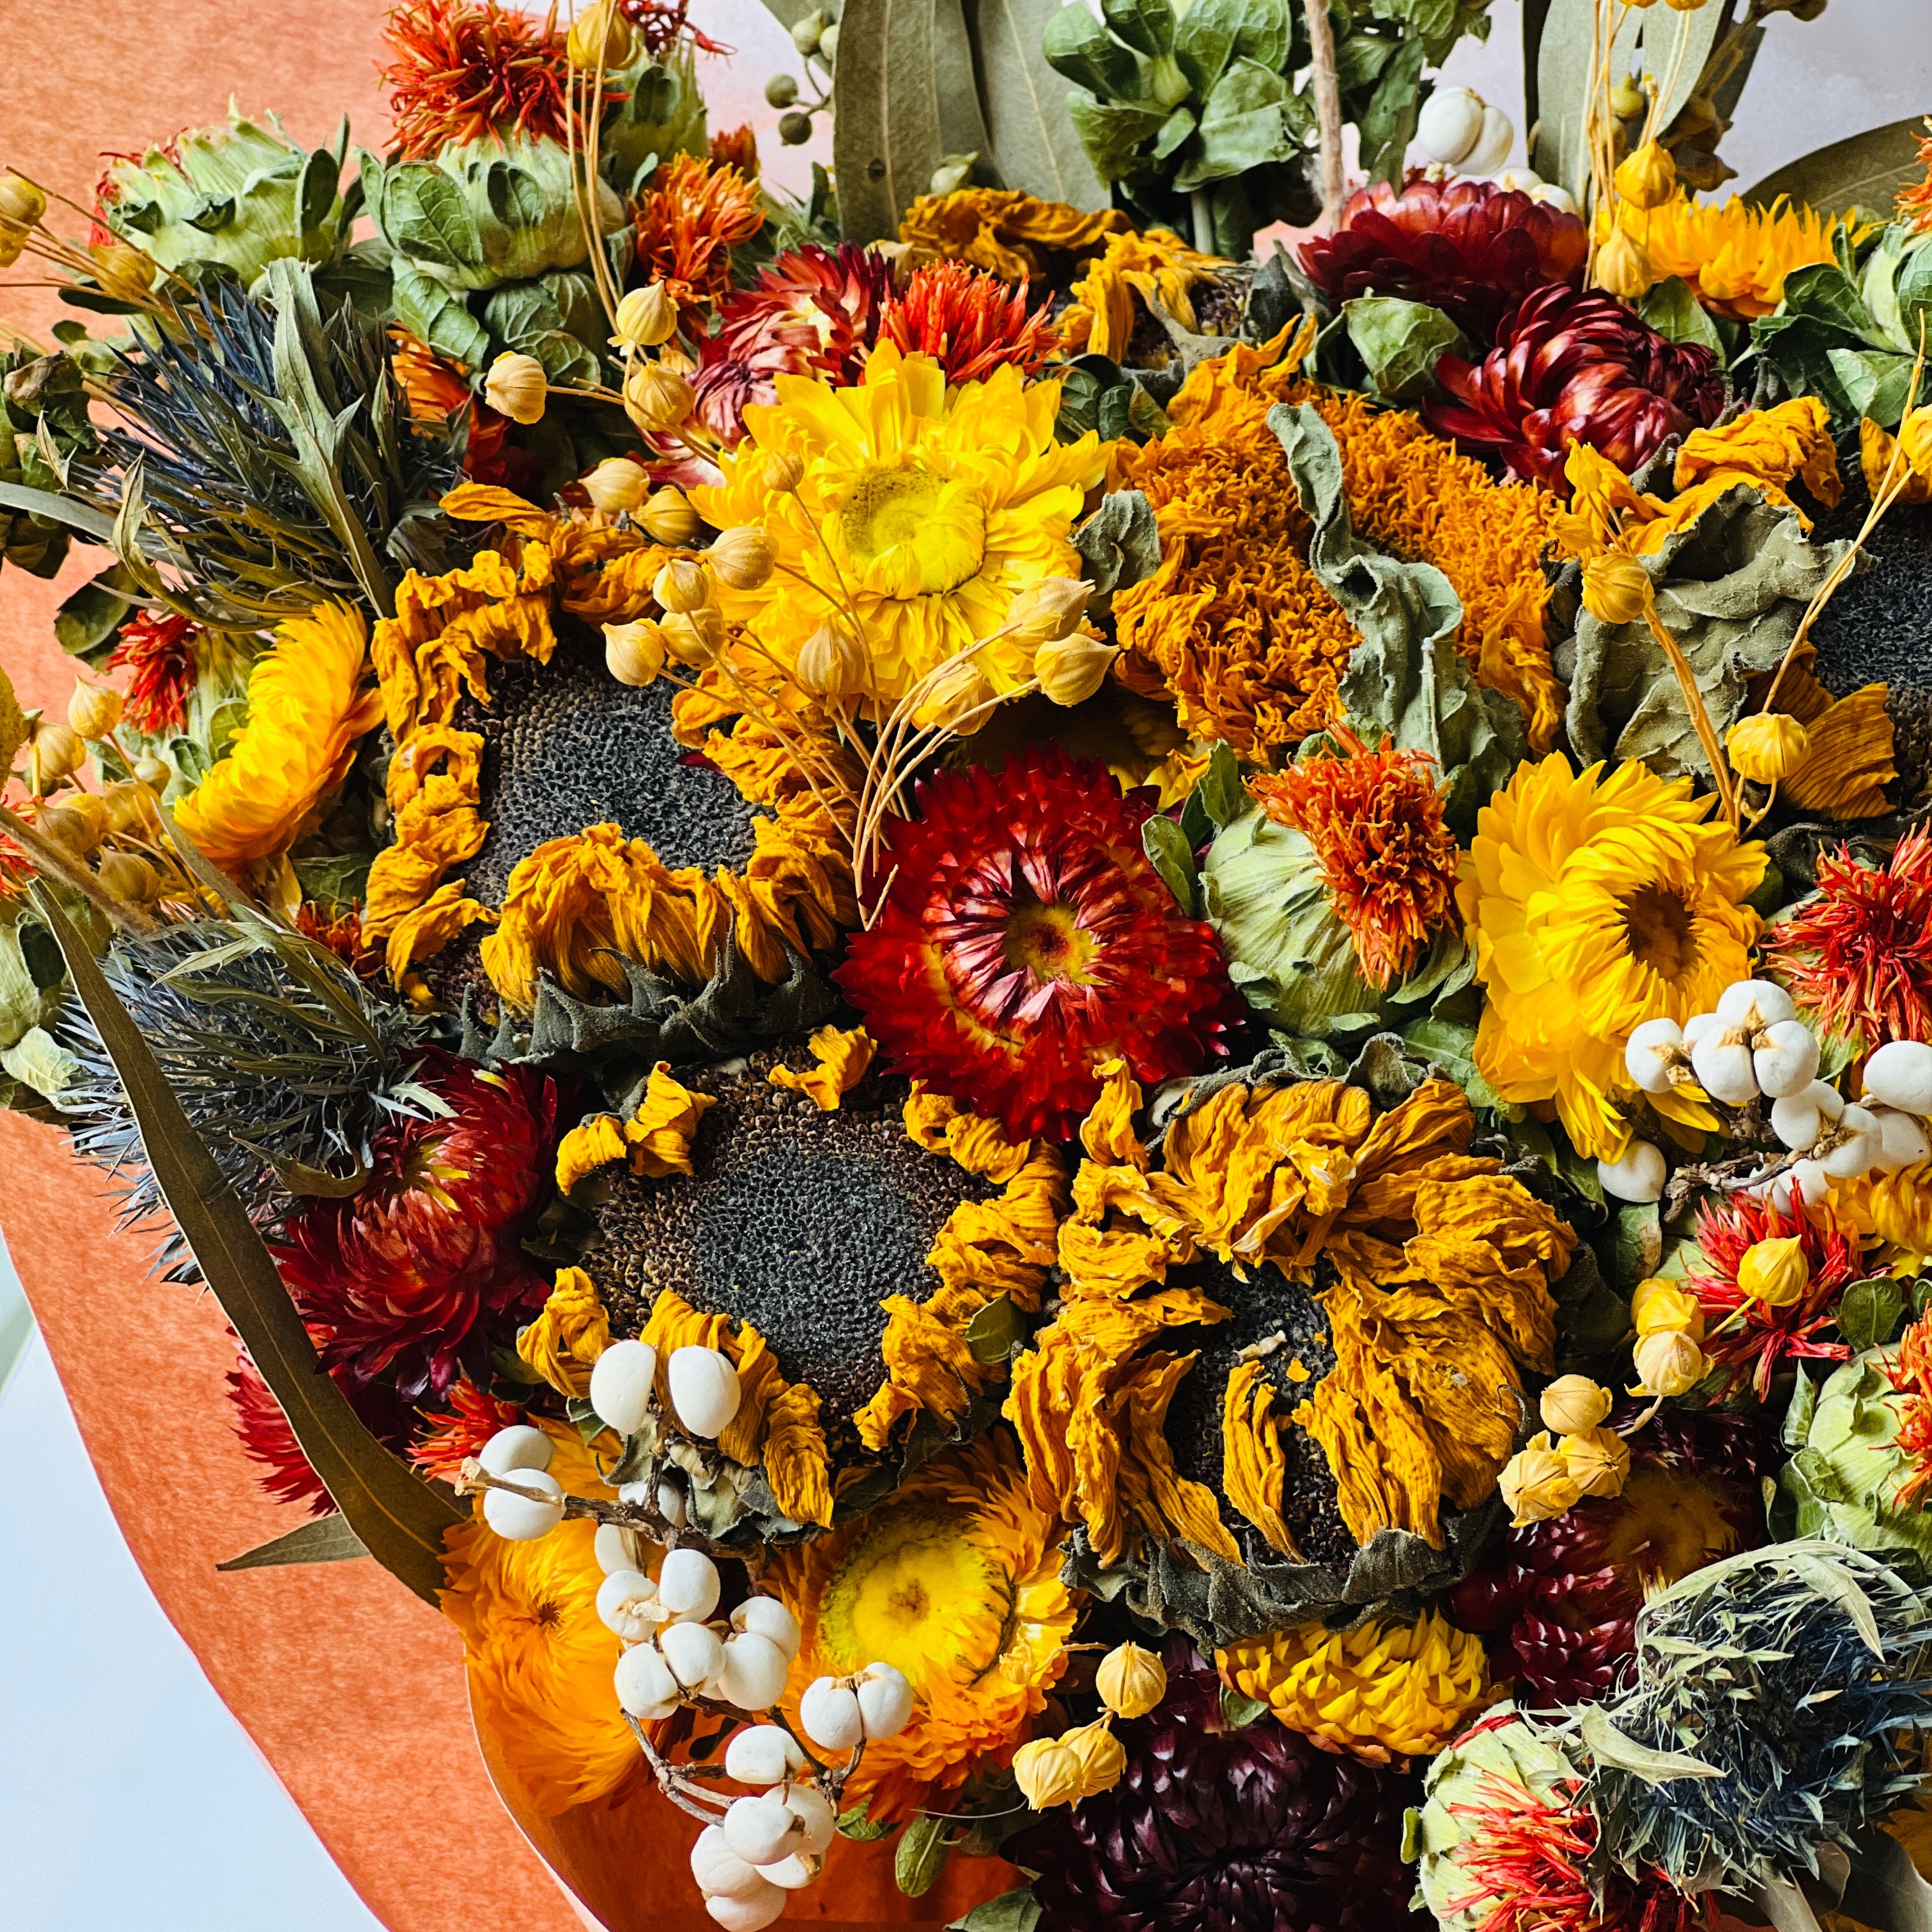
155,773
959,699
1623,269
1647,178
1767,747
616,483
1049,609
21,204
122,271
1598,1460
1574,1403
656,398
71,826
1616,587
1668,1363
634,654
831,663
124,876
645,318
1102,1756
668,518
516,387
128,805
742,557
1775,1271
600,36
1537,1484
784,472
55,751
1048,1773
684,585
1131,1680
694,637
94,710
1070,670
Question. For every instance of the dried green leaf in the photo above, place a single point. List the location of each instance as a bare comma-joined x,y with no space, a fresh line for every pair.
1401,342
925,1843
1869,1311
995,1331
322,1539
1609,1746
1011,1911
12,723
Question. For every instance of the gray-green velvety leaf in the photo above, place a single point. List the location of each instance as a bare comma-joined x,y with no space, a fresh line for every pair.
1401,342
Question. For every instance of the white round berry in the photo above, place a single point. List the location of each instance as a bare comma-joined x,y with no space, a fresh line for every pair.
755,1673
1722,1062
1651,1051
795,1873
718,1869
1902,1140
695,1655
1900,1074
627,1602
830,1713
762,1754
1755,1004
704,1389
1450,125
621,1384
886,1701
771,1618
1638,1176
1696,1027
761,1830
646,1688
688,1585
1858,1153
517,1448
1785,1059
522,1518
618,1547
817,1820
751,1914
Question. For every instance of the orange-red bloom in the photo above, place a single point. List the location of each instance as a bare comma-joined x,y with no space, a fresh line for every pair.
970,321
437,389
1915,203
446,1442
737,148
1375,819
695,213
158,652
287,1474
462,71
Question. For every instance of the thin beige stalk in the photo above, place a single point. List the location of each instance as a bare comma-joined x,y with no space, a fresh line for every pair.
1328,106
1700,718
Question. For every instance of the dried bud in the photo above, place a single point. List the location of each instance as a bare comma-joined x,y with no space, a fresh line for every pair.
123,876
959,699
600,36
668,518
516,387
78,822
1623,269
54,752
1070,670
694,637
742,557
616,483
1684,6
1775,1272
794,128
155,773
94,710
21,204
1051,608
1536,1484
1647,178
1598,1460
122,271
656,399
129,804
784,472
1661,1307
1131,1680
1767,747
832,663
645,317
1572,1404
1669,1363
684,584
1627,100
1049,1774
1615,588
634,653
1101,1757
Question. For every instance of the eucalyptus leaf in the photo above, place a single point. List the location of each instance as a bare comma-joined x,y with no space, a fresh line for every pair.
322,1539
1863,171
1034,146
1561,153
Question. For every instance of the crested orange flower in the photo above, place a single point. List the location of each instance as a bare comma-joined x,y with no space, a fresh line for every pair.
463,70
969,322
695,213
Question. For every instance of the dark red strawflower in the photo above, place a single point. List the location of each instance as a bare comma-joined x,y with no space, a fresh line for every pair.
1557,1600
463,70
447,1441
1857,953
814,311
157,649
1748,1338
1569,367
1025,938
970,321
265,1435
1468,247
410,1270
1214,1830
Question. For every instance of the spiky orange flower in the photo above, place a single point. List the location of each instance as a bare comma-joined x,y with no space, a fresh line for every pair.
970,322
1914,206
1910,1370
437,388
463,70
157,650
737,148
1375,819
1859,952
1026,940
696,213
447,1441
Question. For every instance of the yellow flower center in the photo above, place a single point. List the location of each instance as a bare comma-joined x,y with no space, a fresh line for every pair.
1672,1525
896,1599
1659,932
913,532
1049,941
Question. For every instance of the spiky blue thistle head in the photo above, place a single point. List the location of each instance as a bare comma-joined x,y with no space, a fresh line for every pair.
1763,1718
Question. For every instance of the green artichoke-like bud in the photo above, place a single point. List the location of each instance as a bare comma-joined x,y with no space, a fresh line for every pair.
483,212
240,194
660,114
1849,1481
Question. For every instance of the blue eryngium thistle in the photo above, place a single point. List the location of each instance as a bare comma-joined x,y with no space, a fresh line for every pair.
1763,1718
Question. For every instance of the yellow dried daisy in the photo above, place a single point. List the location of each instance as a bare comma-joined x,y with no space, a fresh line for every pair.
954,1581
1008,233
1595,903
1157,266
934,507
307,708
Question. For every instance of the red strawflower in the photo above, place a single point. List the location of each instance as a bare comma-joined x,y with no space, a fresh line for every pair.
157,648
814,311
970,321
694,215
1859,952
265,1435
1557,1600
448,1440
465,69
341,932
661,24
1025,938
1468,247
1569,367
406,1273
1748,1338
1375,819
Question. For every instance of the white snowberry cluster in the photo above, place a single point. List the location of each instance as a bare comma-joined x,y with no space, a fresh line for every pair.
1754,1046
677,1652
1458,129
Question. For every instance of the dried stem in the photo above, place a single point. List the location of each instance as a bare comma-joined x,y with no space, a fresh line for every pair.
1700,718
1328,108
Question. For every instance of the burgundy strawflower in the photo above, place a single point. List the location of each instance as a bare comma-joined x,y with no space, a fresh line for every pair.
1214,1830
156,649
1857,953
1468,247
404,1274
970,321
266,1436
1569,367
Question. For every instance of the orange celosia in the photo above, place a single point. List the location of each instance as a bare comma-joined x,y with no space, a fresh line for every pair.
695,213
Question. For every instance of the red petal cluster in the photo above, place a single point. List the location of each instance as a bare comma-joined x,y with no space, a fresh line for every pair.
1468,247
1026,938
661,24
970,321
814,311
1570,368
158,653
266,1436
450,1440
1747,1338
1858,952
464,69
402,1274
